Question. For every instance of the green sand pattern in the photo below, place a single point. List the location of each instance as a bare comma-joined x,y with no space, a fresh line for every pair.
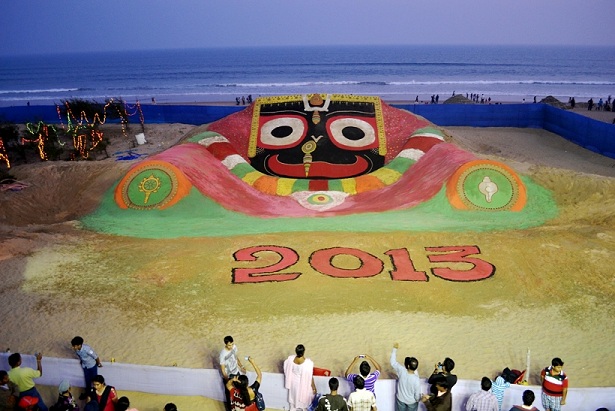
199,216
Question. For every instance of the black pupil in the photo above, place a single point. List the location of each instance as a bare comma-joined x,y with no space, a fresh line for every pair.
282,131
353,133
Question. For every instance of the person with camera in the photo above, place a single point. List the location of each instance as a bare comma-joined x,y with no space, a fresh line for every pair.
364,368
442,372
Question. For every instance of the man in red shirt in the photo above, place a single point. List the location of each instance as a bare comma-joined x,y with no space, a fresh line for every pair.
554,386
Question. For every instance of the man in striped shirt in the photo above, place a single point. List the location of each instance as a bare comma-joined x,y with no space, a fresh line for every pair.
369,377
554,386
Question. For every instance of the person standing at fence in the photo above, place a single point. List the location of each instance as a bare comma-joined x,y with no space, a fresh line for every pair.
105,394
483,400
554,386
242,395
24,378
408,383
89,360
332,401
528,399
230,365
442,372
442,400
370,378
361,399
298,379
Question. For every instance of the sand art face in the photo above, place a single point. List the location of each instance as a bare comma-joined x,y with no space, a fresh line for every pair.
323,156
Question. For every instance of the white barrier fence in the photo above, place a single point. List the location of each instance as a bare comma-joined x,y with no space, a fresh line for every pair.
207,383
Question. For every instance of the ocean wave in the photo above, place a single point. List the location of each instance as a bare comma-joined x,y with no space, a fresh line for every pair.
33,91
411,83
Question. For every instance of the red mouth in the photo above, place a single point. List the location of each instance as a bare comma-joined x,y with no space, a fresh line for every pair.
318,169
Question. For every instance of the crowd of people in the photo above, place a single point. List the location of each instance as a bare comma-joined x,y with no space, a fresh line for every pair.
601,105
302,393
18,390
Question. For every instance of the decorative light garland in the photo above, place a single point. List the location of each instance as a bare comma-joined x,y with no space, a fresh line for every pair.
74,125
42,133
3,156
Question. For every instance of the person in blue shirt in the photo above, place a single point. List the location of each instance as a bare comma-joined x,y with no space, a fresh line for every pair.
89,360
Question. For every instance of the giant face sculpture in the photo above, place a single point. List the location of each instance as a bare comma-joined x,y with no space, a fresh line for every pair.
318,139
320,155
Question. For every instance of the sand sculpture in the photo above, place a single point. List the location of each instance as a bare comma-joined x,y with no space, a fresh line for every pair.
324,155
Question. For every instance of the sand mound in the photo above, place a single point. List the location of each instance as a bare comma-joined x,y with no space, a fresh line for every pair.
458,99
552,101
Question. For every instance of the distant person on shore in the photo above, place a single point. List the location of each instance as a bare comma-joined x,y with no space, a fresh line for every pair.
572,102
554,386
483,400
153,100
408,382
416,100
364,368
590,104
332,401
528,399
298,379
90,362
600,104
243,100
24,378
237,100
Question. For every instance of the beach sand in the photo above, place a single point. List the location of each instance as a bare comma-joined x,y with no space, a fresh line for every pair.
166,302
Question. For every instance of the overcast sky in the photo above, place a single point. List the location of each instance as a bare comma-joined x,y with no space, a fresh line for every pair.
51,26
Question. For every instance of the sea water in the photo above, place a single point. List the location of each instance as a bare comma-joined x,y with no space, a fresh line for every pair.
396,73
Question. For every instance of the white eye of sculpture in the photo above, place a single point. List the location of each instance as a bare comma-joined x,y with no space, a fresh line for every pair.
282,132
352,132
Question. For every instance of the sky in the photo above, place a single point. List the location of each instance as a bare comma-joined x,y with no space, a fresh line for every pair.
58,26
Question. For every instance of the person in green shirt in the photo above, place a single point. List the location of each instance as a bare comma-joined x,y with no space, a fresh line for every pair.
24,378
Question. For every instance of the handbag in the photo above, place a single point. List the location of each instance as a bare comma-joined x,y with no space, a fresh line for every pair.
259,400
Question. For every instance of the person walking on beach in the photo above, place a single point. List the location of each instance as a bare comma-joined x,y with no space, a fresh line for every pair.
408,383
24,378
483,400
298,379
369,378
554,386
89,360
